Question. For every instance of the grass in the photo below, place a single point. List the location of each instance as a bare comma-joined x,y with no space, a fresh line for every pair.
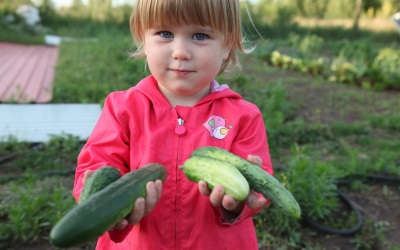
318,132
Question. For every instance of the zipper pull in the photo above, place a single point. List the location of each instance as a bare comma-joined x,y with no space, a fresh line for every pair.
180,129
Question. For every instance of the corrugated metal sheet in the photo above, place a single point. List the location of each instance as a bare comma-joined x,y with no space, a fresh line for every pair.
37,122
27,72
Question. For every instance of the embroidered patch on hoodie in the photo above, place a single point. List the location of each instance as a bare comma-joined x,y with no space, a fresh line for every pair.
216,125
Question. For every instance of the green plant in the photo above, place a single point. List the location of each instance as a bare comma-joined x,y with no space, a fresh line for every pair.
388,60
30,208
11,145
312,183
271,99
345,72
59,152
372,235
356,52
310,44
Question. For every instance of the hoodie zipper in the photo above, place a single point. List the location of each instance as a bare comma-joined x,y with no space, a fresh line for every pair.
180,130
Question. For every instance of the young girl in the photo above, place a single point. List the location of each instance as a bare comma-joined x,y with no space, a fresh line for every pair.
169,114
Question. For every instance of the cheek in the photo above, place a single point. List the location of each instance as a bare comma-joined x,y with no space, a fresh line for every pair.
214,61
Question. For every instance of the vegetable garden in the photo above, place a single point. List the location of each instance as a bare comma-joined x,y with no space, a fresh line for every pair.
330,100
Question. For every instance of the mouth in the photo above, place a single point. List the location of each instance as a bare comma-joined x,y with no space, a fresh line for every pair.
182,72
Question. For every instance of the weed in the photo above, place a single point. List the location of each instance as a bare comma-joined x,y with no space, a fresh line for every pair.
372,235
30,208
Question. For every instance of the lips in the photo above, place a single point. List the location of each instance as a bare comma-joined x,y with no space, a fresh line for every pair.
182,72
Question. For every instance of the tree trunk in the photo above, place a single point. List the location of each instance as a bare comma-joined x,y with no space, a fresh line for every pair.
357,14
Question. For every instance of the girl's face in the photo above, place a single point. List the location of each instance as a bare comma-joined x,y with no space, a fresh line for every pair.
184,59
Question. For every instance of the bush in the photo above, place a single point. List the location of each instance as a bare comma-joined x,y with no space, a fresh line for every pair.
388,60
312,185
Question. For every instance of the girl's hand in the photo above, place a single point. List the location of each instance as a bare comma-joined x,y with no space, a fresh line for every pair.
218,198
143,206
86,175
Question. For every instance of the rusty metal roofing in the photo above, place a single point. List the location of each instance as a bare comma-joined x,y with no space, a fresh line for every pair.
27,72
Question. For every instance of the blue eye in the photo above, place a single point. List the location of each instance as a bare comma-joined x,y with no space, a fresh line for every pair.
166,34
200,36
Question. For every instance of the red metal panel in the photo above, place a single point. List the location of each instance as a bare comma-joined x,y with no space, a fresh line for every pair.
27,72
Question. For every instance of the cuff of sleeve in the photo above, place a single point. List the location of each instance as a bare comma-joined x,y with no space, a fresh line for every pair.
117,235
246,213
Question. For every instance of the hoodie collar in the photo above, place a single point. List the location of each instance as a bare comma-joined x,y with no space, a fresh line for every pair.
148,86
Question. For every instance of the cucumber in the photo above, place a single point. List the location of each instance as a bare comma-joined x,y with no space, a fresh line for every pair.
101,211
215,172
258,179
98,180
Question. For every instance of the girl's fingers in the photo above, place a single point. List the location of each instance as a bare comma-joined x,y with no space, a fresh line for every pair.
203,188
86,175
254,201
151,197
229,203
122,224
255,159
158,188
138,211
216,196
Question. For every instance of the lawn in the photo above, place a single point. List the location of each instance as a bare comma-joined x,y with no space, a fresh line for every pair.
325,136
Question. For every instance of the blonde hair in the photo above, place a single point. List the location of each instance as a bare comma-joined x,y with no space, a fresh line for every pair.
221,15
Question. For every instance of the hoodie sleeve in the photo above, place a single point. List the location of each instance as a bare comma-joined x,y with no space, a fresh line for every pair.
251,139
107,146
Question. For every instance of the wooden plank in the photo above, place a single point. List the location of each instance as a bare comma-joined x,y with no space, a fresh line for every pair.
37,122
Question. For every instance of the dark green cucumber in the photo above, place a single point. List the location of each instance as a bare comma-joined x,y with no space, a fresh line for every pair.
215,172
259,180
98,180
101,211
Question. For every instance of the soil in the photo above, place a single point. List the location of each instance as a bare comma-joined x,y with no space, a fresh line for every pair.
378,206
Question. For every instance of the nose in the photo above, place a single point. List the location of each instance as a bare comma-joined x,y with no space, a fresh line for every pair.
181,50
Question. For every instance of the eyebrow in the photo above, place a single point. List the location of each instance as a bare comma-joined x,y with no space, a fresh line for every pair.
206,29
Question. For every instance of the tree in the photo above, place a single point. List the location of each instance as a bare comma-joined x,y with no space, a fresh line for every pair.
374,4
396,4
312,8
100,9
357,14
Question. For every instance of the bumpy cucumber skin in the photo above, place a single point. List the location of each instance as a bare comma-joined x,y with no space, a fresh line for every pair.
98,180
93,217
258,179
215,172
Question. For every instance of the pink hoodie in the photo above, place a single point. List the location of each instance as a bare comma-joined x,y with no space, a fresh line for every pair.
138,126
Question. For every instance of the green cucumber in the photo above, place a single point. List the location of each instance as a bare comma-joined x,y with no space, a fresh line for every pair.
98,180
101,211
215,172
259,180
